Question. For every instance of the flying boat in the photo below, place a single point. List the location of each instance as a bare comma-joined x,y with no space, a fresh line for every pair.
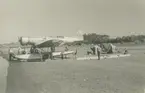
38,46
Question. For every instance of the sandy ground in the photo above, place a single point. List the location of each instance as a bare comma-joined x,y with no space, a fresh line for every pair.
123,75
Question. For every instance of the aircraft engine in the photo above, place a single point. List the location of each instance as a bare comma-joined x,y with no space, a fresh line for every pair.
28,41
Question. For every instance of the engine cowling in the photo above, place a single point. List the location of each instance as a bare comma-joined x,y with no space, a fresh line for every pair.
28,41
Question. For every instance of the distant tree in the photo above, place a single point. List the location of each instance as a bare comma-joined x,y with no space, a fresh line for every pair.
118,40
96,38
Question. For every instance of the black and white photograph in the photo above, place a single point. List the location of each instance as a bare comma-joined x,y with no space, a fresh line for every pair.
72,46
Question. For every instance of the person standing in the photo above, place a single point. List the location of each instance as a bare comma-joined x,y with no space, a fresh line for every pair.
66,49
11,54
62,56
52,49
76,53
98,51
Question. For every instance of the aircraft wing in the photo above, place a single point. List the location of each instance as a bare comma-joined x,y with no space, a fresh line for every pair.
49,43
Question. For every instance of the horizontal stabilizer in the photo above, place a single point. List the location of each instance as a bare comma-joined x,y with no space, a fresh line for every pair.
64,53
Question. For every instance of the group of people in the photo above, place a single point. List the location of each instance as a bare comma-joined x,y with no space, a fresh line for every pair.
98,48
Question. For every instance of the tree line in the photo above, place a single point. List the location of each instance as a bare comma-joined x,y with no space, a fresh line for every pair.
96,38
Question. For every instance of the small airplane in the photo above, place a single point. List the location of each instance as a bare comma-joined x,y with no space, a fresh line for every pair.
40,42
44,42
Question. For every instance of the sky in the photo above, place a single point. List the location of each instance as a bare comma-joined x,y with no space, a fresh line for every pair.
66,17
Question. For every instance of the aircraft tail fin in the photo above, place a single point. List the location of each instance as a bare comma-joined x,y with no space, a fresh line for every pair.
80,34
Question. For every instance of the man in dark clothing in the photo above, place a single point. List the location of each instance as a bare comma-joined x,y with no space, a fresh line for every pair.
98,52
